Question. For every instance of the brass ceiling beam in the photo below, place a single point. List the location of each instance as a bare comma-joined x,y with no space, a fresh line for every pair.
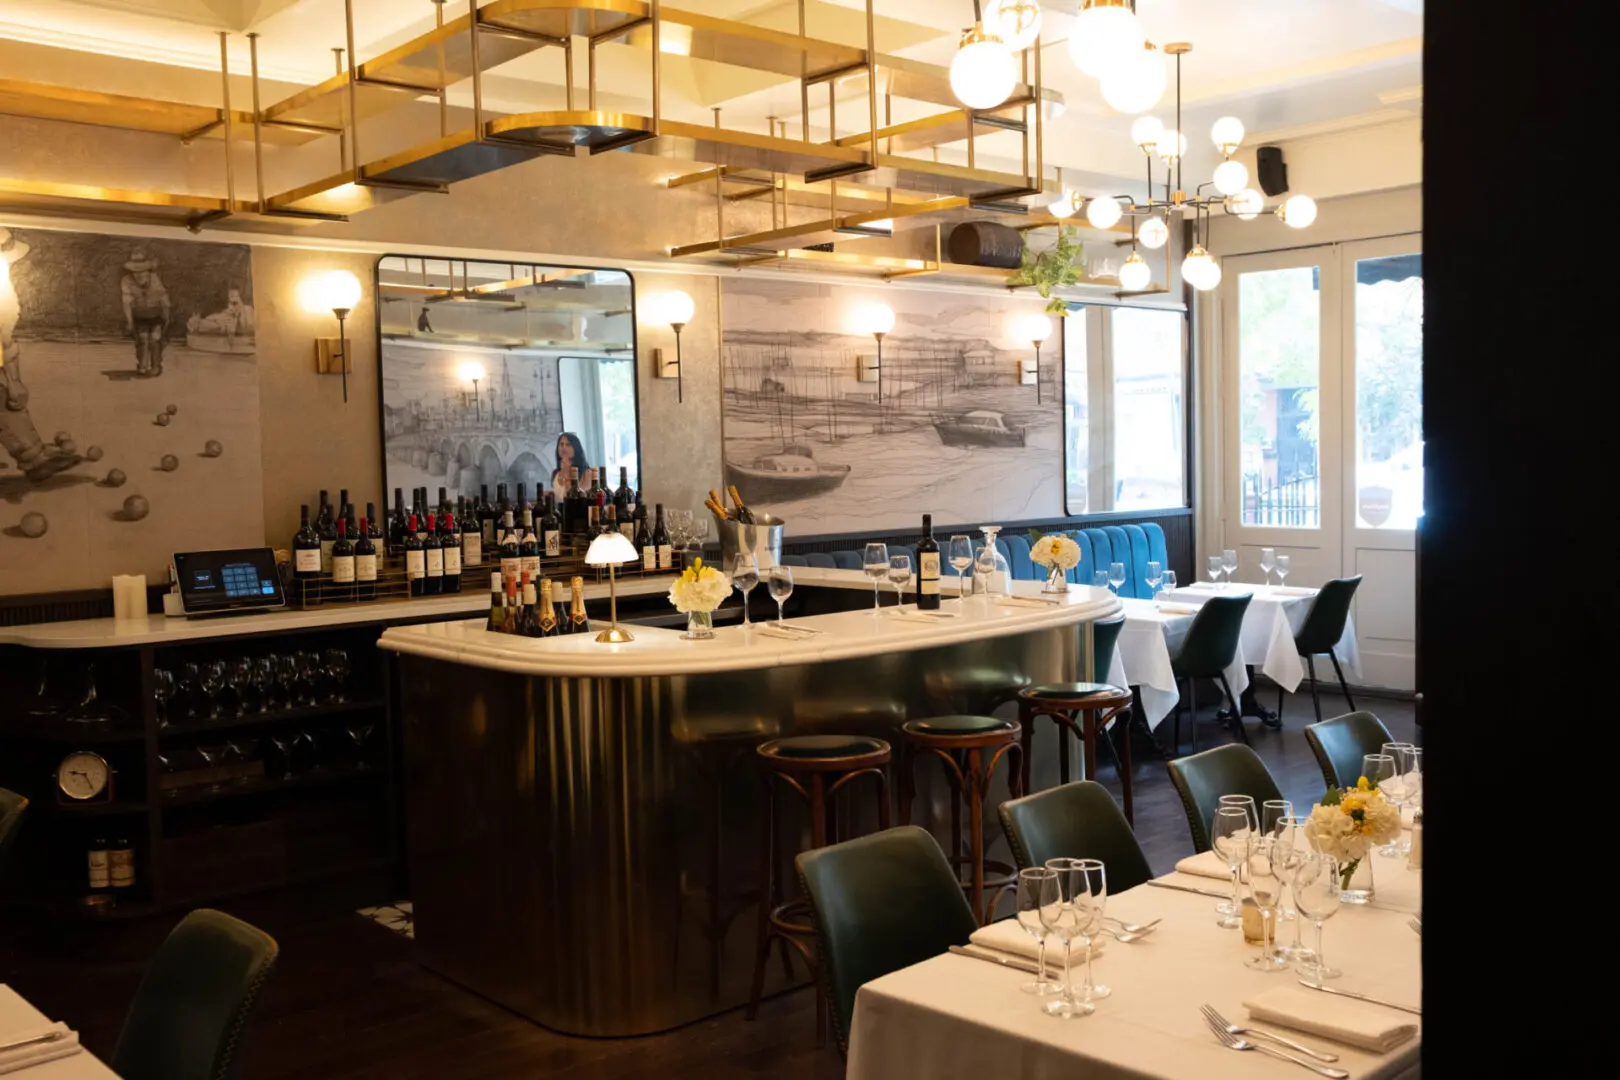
823,230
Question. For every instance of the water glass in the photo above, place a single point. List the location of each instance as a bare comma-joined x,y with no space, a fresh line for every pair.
1155,574
780,581
1230,833
1071,917
1398,792
1288,848
875,561
1378,769
960,554
1169,581
1213,565
1037,891
1262,877
1282,570
1229,563
1272,814
744,576
1116,576
1099,579
1268,562
899,576
1316,895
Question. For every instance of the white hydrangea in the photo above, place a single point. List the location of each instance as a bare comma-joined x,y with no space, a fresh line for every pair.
699,588
1059,551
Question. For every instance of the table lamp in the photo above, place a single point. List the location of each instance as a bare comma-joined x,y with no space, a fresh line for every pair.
609,549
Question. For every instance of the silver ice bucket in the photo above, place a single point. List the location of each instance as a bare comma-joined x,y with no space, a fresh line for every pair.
763,539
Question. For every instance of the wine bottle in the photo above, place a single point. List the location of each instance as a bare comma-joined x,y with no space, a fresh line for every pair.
450,551
415,559
365,561
343,569
497,604
661,541
548,613
643,541
422,515
348,514
574,513
522,502
530,627
624,503
472,538
433,557
551,527
327,532
593,503
486,517
444,503
307,560
502,505
511,557
576,613
529,546
610,518
396,526
928,567
371,524
745,516
558,615
514,604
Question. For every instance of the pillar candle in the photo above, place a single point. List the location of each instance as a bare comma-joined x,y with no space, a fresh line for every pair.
129,596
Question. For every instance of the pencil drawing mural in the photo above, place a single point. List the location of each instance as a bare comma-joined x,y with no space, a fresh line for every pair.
955,432
130,420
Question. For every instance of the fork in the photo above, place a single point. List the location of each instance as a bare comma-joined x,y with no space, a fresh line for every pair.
1125,936
1232,1042
1214,1018
1133,928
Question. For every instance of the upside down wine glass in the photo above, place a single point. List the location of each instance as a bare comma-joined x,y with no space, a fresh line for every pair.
875,561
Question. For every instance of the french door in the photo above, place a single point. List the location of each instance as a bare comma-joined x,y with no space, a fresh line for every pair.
1322,446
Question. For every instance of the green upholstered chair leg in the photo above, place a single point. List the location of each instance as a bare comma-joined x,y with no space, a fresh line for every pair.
1078,820
188,1016
1202,779
1344,687
1340,743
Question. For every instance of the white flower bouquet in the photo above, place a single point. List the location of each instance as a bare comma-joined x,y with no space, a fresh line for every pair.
699,588
1349,823
1055,551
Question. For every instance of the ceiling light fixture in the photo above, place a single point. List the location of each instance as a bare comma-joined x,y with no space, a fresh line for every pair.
1137,82
983,72
1016,22
1104,32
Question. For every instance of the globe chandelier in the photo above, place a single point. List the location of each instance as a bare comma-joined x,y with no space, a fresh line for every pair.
983,72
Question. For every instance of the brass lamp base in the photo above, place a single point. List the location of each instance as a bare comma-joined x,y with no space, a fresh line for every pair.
614,635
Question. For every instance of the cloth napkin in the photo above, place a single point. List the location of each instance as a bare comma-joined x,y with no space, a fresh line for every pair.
1177,609
1280,590
1205,864
1008,937
26,1057
1353,1023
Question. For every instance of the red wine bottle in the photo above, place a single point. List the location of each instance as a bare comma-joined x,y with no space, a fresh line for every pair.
307,560
661,540
396,526
551,528
928,567
511,558
415,559
529,547
343,569
365,561
450,548
432,559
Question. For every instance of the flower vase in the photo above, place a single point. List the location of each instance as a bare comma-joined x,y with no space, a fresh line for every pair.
699,625
1056,580
1356,881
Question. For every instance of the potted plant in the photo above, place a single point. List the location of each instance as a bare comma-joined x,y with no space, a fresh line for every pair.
1056,266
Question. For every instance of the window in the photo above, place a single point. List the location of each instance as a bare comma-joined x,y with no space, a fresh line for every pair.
1125,385
1389,392
1279,376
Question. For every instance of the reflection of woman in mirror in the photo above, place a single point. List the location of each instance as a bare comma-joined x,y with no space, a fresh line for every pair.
570,453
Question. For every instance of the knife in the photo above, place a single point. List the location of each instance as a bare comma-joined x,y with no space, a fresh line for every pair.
1021,601
1361,997
1216,893
50,1036
1017,963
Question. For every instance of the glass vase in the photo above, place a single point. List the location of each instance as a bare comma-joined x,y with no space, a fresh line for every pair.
1356,881
699,625
1056,580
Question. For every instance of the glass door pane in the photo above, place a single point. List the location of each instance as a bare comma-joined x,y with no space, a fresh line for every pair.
1388,306
1149,444
1279,396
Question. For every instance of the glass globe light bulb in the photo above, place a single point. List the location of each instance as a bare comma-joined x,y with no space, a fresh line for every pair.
1103,213
335,290
1227,133
877,318
1063,205
1034,327
1146,132
1230,177
1298,211
1016,22
1104,31
678,308
1246,204
983,73
1154,233
1200,270
1135,275
1137,83
1171,145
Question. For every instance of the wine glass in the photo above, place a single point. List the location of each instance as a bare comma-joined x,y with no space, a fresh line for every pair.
1116,576
244,749
211,680
1155,574
744,576
287,680
1066,920
1395,790
961,557
1377,769
680,527
899,576
1282,570
1229,563
360,736
306,752
1287,849
1263,879
697,533
1097,893
264,681
1037,890
310,676
1229,836
1414,790
188,689
214,754
1169,581
1268,562
875,561
780,581
335,663
162,693
1316,894
1272,814
239,676
1213,565
281,743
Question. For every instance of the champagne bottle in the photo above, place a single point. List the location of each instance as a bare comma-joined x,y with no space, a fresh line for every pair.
472,538
343,568
529,622
745,516
558,616
396,526
432,559
551,527
307,560
497,604
661,541
928,567
450,547
365,561
548,613
528,546
643,541
576,613
415,559
511,558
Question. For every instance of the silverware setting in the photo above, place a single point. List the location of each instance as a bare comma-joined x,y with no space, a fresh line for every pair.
1006,960
1232,1042
1134,928
49,1036
1215,1019
1216,893
1127,936
789,628
1017,601
1361,997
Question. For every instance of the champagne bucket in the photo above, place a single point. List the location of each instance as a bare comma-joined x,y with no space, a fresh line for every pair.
763,539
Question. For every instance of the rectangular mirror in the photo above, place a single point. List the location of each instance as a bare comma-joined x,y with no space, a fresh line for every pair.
498,373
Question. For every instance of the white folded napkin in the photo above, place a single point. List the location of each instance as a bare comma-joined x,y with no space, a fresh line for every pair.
1178,609
1008,937
26,1057
1205,864
1290,591
1354,1023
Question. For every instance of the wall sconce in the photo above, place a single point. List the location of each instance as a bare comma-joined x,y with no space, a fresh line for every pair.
473,371
337,291
877,320
676,309
1034,328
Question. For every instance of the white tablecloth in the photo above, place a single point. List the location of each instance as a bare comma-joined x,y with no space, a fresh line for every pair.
952,1017
18,1019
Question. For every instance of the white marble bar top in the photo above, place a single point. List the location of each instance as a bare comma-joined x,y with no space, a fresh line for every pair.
845,635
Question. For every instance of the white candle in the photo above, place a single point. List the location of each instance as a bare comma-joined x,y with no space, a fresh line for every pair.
129,596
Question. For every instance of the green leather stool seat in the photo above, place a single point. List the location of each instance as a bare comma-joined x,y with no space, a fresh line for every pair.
958,725
1073,690
826,746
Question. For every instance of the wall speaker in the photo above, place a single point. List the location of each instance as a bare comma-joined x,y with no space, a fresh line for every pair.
1268,162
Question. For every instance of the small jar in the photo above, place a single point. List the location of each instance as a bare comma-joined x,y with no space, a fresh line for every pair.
1414,859
1254,927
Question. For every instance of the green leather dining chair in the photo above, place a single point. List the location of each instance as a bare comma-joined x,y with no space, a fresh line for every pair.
12,806
1340,743
1078,820
188,1015
881,902
1321,632
1206,652
1202,779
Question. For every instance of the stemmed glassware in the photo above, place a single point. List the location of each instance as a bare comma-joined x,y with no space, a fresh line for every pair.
960,554
875,561
1229,563
211,680
1414,790
335,663
162,694
1268,562
1264,881
188,689
991,565
744,576
1316,895
899,576
239,676
284,743
1169,581
1395,790
697,533
1037,890
244,749
264,681
1229,836
287,679
1378,769
1213,565
680,523
214,754
1282,570
1155,574
310,676
1071,917
1288,847
360,735
780,581
1272,813
1097,893
1116,576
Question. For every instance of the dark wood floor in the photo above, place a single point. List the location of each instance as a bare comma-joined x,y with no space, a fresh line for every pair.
348,1002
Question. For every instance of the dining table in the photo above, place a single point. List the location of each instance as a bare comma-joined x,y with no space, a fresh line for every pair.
955,1016
1154,630
19,1021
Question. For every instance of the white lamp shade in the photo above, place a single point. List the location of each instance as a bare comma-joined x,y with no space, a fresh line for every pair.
1246,204
875,318
676,307
1063,205
1171,145
1227,134
335,290
1103,213
610,549
983,73
1230,177
1102,34
1016,22
1137,83
1034,326
1135,275
472,370
1146,131
1200,270
1298,212
1154,233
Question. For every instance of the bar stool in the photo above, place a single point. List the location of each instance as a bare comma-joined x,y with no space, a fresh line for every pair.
817,767
960,742
1082,709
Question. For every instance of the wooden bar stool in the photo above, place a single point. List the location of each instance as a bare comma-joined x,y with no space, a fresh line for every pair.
1083,709
817,767
960,742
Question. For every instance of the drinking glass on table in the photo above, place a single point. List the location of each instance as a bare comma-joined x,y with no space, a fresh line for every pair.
1414,790
1037,890
1272,813
1288,847
1155,574
781,586
899,576
1213,565
1230,834
1169,581
744,576
1116,576
1395,791
1282,570
1377,769
1263,878
960,554
1268,562
1069,918
875,561
1316,894
1229,563
1097,891
1099,579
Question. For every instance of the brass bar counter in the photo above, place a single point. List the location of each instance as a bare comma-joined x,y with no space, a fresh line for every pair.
584,819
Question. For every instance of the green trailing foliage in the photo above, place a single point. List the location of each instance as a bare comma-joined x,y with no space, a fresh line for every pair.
1052,268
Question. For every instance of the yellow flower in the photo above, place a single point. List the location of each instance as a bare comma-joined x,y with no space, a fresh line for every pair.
1056,547
1351,804
1364,785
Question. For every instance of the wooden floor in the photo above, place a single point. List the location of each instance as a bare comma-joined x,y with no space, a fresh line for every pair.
348,1002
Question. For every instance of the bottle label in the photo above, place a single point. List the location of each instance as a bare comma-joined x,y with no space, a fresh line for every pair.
548,622
326,555
666,557
472,549
415,564
122,868
531,563
649,558
343,569
553,542
928,573
594,515
100,876
452,560
365,567
435,562
511,569
307,561
627,529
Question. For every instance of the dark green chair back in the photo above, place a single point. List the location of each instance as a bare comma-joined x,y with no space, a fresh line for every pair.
1324,623
1080,821
1104,636
1203,778
882,902
187,1019
12,806
1340,743
1212,640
